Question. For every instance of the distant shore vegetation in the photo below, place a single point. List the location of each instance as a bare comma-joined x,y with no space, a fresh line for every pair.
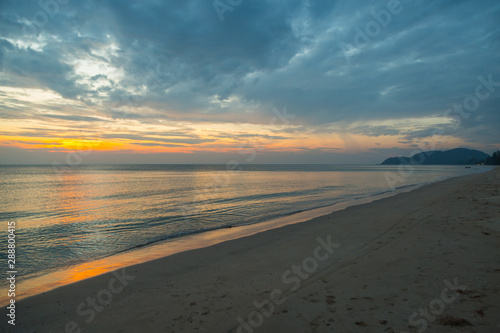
494,159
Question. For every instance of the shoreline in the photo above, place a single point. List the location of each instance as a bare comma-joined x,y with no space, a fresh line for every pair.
199,240
398,246
61,277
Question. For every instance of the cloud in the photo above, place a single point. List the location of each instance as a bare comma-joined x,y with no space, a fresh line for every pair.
176,60
192,140
73,118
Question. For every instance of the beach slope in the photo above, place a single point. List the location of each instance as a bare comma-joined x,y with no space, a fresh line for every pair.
426,260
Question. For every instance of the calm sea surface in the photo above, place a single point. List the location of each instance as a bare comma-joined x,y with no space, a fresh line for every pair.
72,215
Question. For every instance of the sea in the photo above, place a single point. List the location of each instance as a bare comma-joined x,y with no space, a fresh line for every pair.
71,216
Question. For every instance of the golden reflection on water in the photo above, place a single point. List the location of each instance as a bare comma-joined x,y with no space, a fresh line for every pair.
83,271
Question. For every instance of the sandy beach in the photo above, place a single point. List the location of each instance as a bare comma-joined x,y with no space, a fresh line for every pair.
427,260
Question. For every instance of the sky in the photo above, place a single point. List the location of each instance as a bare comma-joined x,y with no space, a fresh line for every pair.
248,81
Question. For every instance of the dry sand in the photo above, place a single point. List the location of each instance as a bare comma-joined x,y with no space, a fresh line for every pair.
429,258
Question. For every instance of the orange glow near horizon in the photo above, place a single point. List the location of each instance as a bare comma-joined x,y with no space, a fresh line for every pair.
129,136
76,127
61,143
322,143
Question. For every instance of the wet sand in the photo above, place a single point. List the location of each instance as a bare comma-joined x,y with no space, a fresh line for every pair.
427,260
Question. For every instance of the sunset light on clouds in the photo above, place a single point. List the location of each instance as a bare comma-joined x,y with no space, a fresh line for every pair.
290,81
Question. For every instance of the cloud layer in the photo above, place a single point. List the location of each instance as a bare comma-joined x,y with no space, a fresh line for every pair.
348,69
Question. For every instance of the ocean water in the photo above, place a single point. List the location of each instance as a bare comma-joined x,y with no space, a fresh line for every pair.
65,217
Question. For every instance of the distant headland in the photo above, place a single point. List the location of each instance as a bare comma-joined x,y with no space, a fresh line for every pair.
457,156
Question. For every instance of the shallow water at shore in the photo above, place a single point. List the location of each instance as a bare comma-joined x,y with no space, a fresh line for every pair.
61,277
90,219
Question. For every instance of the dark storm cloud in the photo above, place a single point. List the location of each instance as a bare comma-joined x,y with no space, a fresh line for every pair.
306,55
